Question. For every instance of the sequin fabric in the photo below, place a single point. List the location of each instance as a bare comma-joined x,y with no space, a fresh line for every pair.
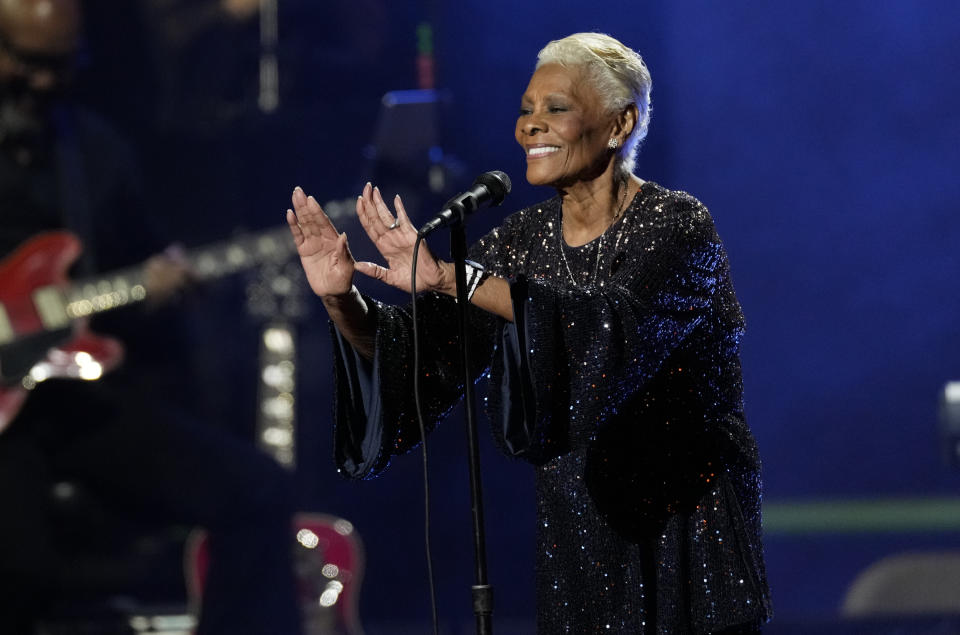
620,382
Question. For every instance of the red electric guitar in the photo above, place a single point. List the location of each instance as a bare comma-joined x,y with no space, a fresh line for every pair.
43,316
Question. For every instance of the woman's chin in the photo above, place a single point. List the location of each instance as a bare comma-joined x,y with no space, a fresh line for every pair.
537,176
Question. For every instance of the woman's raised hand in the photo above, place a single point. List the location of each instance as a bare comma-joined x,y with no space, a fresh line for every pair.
394,238
324,252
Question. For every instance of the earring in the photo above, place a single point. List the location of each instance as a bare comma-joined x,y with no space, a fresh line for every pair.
613,144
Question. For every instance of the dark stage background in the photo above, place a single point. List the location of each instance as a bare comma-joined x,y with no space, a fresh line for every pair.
822,135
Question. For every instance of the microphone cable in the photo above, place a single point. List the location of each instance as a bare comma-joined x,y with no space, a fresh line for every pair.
423,434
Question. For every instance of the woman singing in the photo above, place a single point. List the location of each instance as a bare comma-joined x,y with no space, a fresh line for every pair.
609,326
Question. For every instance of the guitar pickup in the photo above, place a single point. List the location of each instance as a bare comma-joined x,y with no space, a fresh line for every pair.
6,328
51,307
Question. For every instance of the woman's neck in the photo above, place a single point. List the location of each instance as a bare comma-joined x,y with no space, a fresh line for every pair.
591,207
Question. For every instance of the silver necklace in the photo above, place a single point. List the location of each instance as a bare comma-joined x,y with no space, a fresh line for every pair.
596,265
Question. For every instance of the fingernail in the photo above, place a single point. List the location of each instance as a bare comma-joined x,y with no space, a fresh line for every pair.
297,188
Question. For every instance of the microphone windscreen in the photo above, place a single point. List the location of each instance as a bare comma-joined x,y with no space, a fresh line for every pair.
497,183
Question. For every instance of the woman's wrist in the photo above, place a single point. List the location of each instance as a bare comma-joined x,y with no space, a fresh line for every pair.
448,278
354,320
448,284
341,300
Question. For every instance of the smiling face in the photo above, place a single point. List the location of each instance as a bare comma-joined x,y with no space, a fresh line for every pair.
563,128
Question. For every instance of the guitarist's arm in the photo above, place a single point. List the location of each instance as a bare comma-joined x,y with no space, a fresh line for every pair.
167,273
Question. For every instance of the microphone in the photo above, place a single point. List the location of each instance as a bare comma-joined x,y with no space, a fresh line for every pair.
490,187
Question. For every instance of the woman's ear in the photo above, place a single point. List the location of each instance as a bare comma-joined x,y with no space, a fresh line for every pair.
626,121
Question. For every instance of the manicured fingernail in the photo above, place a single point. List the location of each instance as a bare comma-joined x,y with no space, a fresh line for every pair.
297,188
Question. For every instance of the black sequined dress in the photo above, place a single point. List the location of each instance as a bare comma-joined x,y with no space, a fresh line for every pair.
619,380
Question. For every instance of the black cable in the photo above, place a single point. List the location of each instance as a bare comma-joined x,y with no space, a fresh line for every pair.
423,433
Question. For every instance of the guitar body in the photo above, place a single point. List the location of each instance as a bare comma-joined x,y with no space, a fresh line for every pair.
328,566
29,351
42,261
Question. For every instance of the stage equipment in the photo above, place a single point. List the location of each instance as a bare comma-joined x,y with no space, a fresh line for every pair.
489,187
950,422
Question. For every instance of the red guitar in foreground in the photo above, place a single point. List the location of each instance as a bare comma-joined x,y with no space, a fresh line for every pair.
328,566
328,557
43,316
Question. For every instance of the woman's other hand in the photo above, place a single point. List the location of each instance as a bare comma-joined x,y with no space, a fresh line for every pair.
323,251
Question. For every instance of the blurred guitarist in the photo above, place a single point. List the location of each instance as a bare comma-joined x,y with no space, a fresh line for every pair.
125,445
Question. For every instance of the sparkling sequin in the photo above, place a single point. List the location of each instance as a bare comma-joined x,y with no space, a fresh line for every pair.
624,391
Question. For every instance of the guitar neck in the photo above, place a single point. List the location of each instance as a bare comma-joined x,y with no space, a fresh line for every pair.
58,306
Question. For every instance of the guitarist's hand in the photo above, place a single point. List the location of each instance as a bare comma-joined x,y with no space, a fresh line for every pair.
324,252
167,273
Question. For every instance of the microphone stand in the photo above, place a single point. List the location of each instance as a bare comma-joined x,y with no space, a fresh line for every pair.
481,591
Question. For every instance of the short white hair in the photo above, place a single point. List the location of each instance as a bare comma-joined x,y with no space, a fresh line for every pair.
619,76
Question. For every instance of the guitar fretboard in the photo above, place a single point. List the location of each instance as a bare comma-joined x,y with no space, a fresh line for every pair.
58,306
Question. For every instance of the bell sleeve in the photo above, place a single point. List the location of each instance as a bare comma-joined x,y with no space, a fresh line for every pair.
374,409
